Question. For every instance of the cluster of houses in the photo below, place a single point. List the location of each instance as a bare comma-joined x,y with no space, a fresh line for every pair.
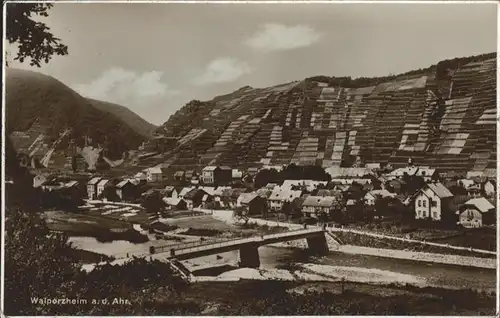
470,201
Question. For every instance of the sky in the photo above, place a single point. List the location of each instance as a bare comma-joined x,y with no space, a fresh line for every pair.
155,57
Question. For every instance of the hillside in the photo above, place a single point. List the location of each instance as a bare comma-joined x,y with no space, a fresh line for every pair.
442,116
133,120
39,104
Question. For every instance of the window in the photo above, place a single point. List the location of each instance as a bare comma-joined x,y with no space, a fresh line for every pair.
424,203
434,203
419,203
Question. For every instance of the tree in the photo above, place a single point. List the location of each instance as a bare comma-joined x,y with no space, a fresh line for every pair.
241,213
34,39
153,202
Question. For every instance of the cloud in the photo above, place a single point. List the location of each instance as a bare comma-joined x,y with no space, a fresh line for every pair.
223,70
126,87
279,37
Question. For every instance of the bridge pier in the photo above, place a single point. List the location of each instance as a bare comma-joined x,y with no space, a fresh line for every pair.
318,244
249,256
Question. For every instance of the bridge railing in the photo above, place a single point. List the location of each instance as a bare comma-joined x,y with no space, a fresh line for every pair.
222,241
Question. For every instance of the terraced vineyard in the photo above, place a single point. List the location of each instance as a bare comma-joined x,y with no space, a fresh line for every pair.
445,121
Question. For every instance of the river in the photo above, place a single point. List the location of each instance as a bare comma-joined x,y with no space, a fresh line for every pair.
394,270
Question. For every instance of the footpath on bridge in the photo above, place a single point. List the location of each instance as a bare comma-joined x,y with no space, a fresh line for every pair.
488,263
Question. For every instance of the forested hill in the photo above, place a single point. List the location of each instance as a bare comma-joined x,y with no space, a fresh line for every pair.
35,98
442,116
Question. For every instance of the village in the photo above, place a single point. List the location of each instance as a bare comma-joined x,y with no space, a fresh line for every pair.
356,197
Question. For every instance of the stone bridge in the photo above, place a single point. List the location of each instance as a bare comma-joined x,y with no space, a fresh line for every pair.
248,247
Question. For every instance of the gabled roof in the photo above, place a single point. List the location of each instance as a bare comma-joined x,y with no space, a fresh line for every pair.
122,183
209,190
103,182
383,193
246,198
280,194
94,180
191,194
179,173
309,184
225,168
440,190
425,172
185,190
316,201
71,184
481,204
155,170
210,168
401,171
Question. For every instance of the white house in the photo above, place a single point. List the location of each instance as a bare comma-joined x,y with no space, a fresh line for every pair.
154,174
431,201
315,205
426,173
280,196
92,188
476,213
208,174
101,186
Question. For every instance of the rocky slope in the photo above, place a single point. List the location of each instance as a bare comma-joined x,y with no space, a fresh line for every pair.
38,105
442,116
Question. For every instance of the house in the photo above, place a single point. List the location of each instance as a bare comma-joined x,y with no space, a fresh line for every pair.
171,192
426,173
401,172
101,185
140,176
373,166
489,188
476,213
474,190
236,174
175,203
194,198
208,174
179,176
225,175
154,174
217,175
432,201
39,180
255,204
280,196
372,196
313,206
466,183
126,190
92,188
183,192
206,200
189,175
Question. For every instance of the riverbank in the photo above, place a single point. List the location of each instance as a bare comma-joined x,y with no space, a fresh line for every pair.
353,242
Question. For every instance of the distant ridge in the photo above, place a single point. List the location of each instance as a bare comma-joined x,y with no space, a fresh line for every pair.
135,122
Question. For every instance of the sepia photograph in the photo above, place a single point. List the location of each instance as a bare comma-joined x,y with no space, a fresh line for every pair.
249,159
